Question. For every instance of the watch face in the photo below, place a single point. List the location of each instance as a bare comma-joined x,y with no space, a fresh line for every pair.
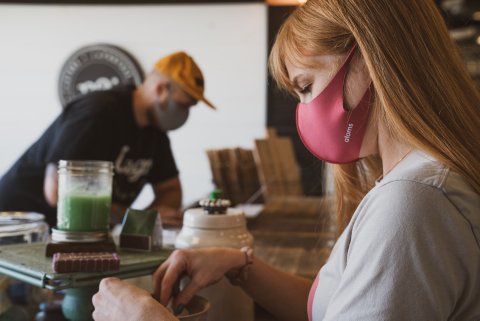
97,67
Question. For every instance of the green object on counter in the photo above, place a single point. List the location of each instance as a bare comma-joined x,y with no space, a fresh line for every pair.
138,230
215,194
84,212
139,222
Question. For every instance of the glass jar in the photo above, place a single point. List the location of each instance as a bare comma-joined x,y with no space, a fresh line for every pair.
22,227
16,228
84,195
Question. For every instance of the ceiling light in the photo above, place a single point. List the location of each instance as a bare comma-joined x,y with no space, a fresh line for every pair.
286,2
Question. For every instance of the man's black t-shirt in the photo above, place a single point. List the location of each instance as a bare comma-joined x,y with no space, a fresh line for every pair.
98,126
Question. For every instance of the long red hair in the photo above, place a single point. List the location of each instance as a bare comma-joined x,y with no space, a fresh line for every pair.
424,95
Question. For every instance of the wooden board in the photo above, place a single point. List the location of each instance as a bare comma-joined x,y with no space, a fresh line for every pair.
277,166
235,173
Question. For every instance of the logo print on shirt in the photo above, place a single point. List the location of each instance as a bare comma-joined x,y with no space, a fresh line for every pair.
133,169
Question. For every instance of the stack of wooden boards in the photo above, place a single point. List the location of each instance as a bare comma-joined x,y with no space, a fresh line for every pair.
234,173
271,168
277,166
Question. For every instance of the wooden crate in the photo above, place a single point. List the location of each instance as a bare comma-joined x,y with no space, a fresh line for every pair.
234,172
277,166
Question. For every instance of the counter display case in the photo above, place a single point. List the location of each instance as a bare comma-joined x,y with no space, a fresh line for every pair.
28,263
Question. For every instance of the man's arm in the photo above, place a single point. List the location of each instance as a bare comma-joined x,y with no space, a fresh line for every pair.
50,185
80,133
168,200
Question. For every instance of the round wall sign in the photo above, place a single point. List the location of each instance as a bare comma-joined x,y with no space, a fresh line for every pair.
97,67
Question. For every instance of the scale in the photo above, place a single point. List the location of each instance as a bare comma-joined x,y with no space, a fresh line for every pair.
71,241
28,263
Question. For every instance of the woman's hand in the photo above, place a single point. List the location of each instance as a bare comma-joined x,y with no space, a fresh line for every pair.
118,300
203,266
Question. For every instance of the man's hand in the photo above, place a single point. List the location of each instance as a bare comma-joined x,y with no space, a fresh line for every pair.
168,200
170,217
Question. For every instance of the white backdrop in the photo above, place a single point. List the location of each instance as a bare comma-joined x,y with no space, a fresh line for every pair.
227,41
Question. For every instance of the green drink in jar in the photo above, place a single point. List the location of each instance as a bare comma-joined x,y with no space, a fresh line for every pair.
84,195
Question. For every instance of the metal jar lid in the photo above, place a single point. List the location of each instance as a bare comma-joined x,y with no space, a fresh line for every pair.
82,167
19,221
77,237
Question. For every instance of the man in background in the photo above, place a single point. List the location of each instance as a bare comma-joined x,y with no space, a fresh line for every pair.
127,126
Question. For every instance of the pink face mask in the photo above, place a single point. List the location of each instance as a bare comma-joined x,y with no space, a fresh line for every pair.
327,130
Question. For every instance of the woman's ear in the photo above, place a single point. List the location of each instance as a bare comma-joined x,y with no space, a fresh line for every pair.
357,81
358,63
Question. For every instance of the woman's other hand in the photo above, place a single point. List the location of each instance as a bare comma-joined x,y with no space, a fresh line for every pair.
204,267
118,300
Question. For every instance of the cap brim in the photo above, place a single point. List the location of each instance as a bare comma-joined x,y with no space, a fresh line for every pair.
200,97
207,102
196,95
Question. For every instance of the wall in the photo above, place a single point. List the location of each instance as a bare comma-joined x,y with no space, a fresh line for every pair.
228,42
281,114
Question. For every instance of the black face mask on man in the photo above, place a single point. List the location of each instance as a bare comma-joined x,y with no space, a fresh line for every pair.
171,115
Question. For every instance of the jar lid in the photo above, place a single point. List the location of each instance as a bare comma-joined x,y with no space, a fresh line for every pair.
77,237
199,218
19,223
86,166
15,219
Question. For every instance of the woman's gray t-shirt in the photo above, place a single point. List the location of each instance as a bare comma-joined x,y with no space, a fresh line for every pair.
411,251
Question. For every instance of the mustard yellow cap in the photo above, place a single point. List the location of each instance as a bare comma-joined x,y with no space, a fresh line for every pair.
182,69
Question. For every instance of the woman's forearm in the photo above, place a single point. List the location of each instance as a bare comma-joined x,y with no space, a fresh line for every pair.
282,294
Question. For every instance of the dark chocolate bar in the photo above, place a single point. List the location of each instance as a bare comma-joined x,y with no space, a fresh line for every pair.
70,247
85,262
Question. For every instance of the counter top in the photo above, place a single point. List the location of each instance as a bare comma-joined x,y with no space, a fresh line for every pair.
294,234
